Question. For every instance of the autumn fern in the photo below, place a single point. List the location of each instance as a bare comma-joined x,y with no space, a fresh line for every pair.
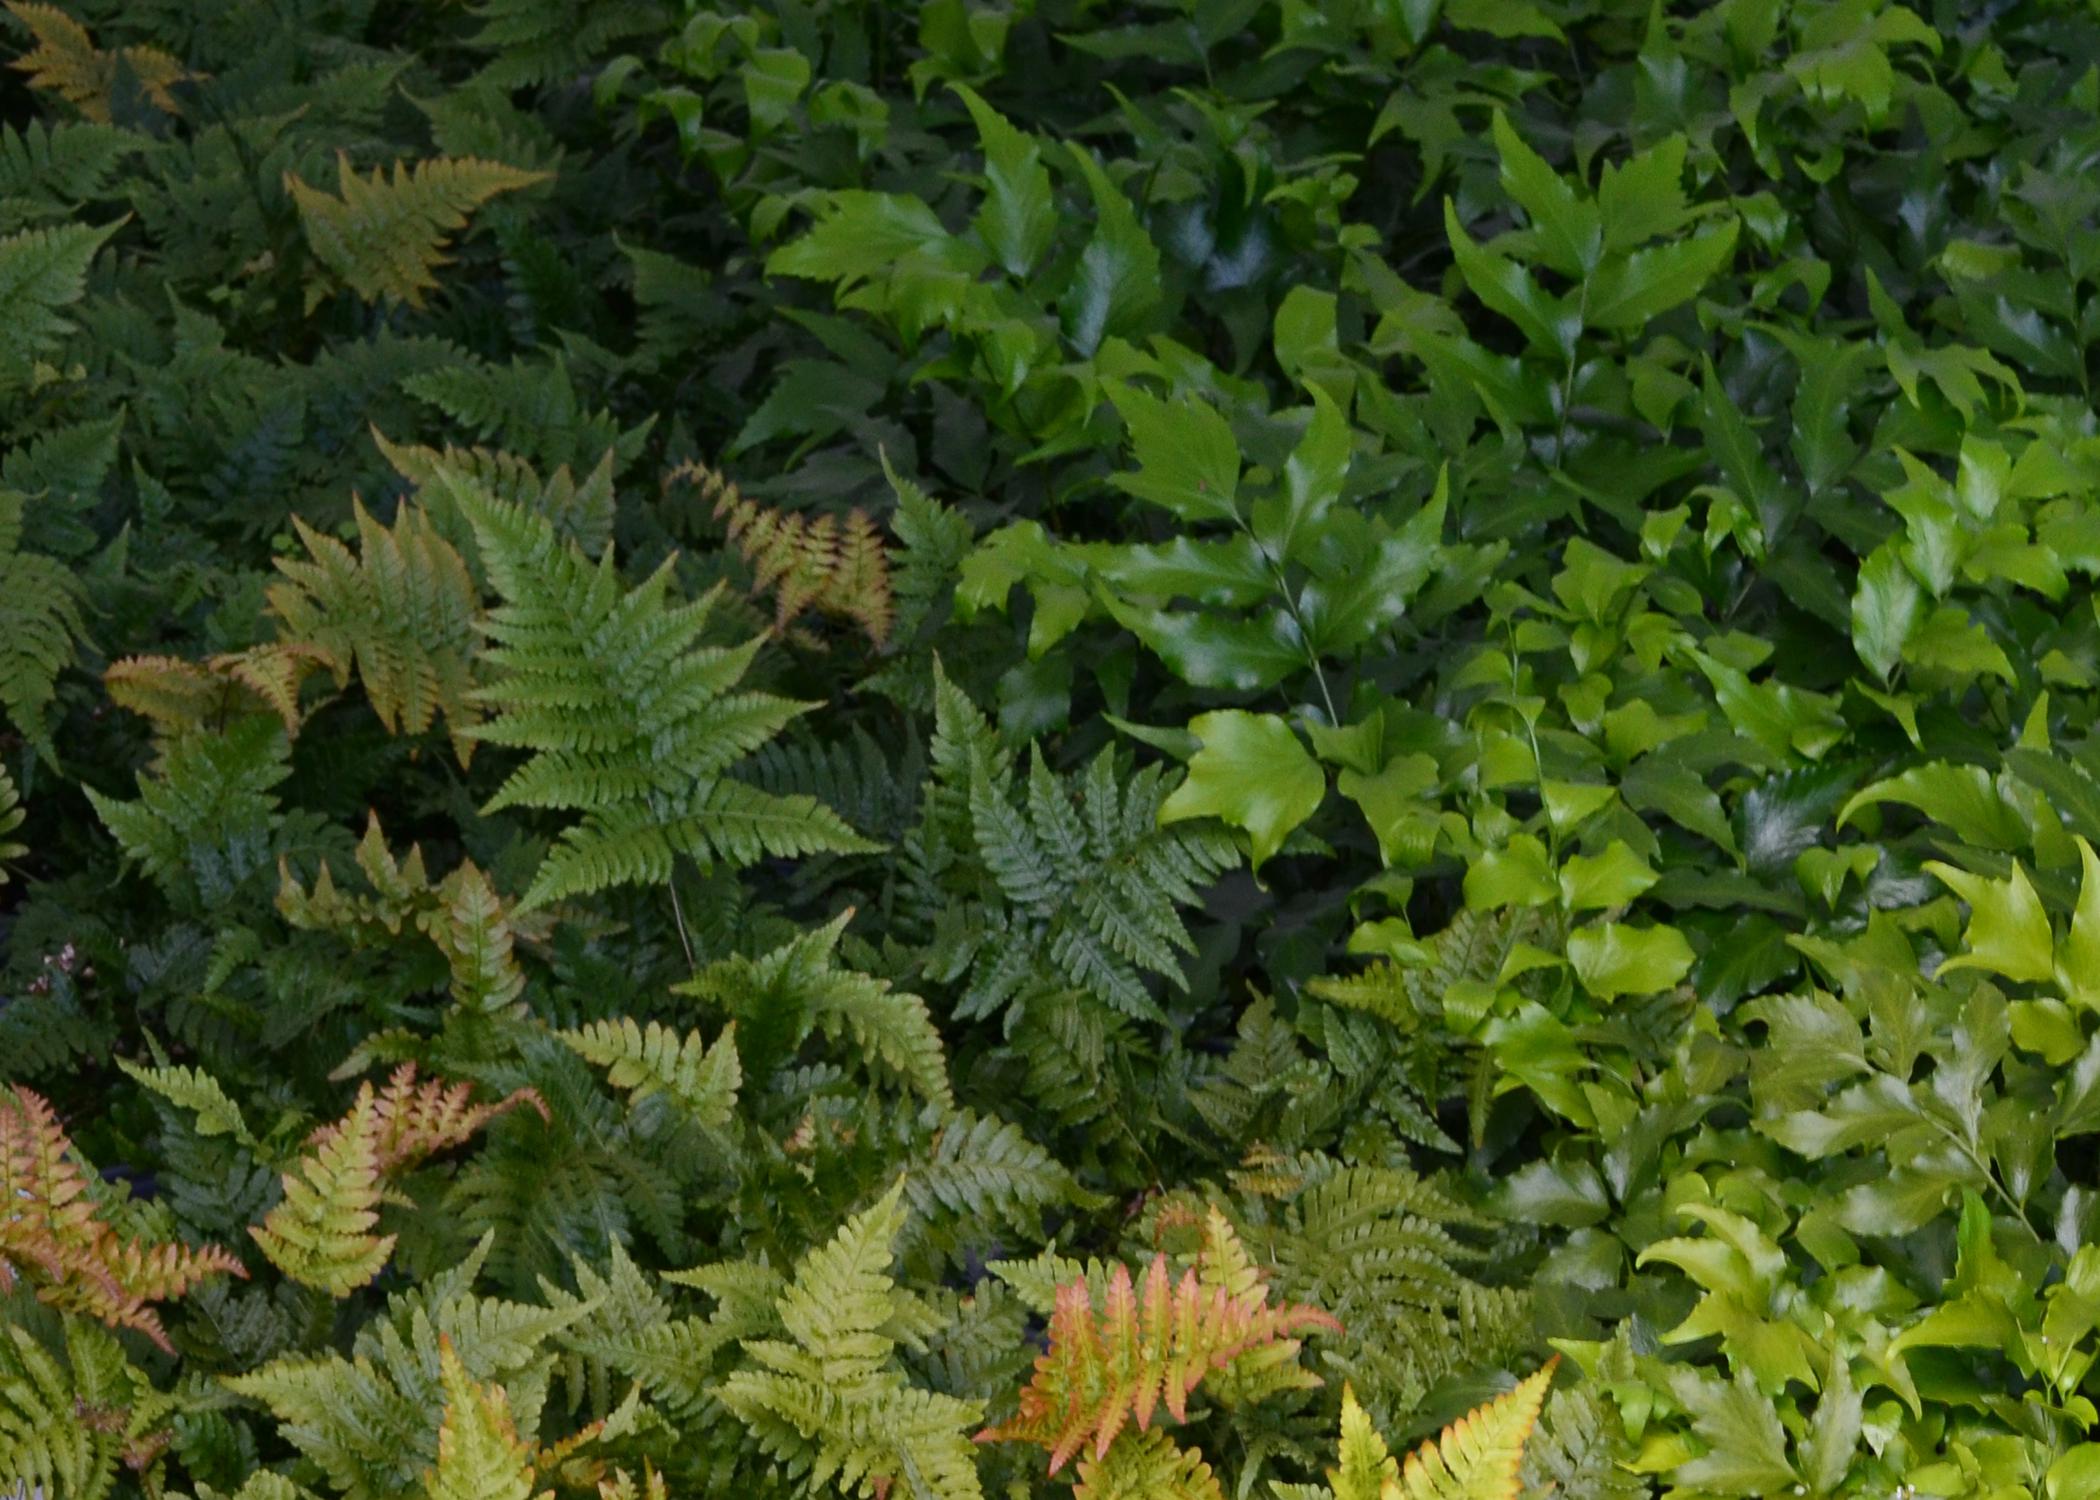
321,1234
66,62
807,563
385,236
627,718
52,1234
1143,1348
400,612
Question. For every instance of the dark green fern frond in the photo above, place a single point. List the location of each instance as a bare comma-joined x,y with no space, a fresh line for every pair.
628,719
41,623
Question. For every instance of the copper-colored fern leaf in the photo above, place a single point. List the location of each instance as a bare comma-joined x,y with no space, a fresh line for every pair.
1139,1350
79,1264
66,62
806,563
179,696
415,1120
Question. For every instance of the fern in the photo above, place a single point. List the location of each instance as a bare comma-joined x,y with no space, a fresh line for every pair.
800,988
320,1235
47,171
71,1422
384,237
183,697
479,1455
1475,1458
698,1080
471,925
838,568
52,1233
628,719
1146,1466
12,815
401,612
1142,1348
827,1401
40,610
208,822
66,62
581,510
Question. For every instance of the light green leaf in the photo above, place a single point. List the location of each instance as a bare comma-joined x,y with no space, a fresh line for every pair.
1590,882
2008,929
1568,231
1188,460
1517,874
1118,282
1252,773
1613,959
1627,294
1018,219
2078,962
1886,609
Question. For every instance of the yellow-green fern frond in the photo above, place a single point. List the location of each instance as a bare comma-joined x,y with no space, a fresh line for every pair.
321,1234
66,62
1147,1466
480,1456
72,1420
180,697
700,1081
580,509
1475,1458
385,236
12,815
400,612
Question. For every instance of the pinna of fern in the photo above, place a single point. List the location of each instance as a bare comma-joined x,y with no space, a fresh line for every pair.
50,1232
627,719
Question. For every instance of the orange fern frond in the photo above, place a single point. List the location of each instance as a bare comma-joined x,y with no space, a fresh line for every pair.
1141,1349
66,62
806,563
48,1227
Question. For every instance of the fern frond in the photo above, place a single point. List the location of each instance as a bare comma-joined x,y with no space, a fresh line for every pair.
320,1235
628,719
1147,1466
581,510
1580,1448
384,237
701,1081
41,622
208,821
401,612
1142,1348
75,1260
180,697
12,816
806,563
828,1401
71,1425
47,171
893,1031
66,62
1478,1456
480,1456
419,1119
198,1092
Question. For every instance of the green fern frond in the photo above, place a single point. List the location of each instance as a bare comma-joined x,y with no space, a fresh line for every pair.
1147,1466
384,237
581,510
41,622
627,717
12,816
479,1455
700,1081
42,272
401,613
71,1422
47,171
828,1401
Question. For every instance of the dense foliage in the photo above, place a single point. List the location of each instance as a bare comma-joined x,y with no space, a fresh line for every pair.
984,746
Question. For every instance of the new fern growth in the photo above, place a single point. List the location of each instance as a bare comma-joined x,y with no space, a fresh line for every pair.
627,718
51,1232
1144,1348
320,1235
